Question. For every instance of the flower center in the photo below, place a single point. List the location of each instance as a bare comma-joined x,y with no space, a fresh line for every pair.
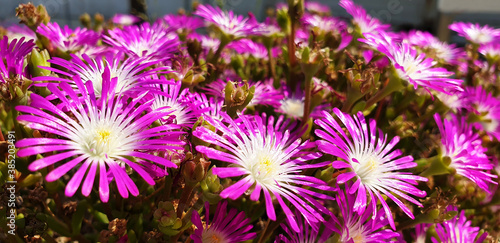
293,107
367,169
101,143
265,165
212,236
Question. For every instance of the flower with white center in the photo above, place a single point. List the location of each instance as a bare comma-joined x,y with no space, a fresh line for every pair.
442,51
354,227
487,107
292,107
267,159
491,51
413,67
229,23
371,160
99,135
476,33
149,41
130,73
458,230
67,39
125,19
463,146
225,227
185,107
324,24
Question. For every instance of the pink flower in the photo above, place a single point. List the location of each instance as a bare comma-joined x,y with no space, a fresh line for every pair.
373,162
268,159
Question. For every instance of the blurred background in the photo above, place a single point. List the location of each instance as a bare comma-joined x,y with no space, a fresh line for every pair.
430,15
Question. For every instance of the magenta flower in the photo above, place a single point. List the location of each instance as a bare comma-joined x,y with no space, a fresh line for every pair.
463,146
307,233
130,73
99,135
267,158
372,163
487,107
227,22
491,51
181,23
12,56
354,227
125,19
443,51
316,7
249,47
324,24
224,227
413,67
67,39
148,41
185,107
476,33
20,31
365,22
458,230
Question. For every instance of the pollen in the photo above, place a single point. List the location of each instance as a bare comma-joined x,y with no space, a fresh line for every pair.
103,136
265,165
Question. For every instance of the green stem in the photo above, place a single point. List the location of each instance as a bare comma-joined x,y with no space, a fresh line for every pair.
307,101
272,64
185,197
438,166
394,84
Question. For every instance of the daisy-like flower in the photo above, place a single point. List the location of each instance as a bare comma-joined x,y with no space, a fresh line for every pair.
100,135
365,22
476,33
413,67
249,47
185,107
458,230
463,147
67,39
12,56
443,51
225,227
125,19
364,227
491,51
130,73
181,23
455,100
487,107
372,162
318,8
149,41
268,159
227,22
324,24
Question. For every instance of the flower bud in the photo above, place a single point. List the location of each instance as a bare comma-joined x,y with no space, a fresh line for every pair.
37,60
32,16
168,222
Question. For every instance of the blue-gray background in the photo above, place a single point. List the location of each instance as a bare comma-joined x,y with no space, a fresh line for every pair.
402,14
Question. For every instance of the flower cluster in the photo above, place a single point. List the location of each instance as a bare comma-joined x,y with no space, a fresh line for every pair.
336,131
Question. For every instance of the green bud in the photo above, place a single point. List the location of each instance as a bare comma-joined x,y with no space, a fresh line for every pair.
36,60
283,20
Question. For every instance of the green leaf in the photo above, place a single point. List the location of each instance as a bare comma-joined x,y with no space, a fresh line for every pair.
77,219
